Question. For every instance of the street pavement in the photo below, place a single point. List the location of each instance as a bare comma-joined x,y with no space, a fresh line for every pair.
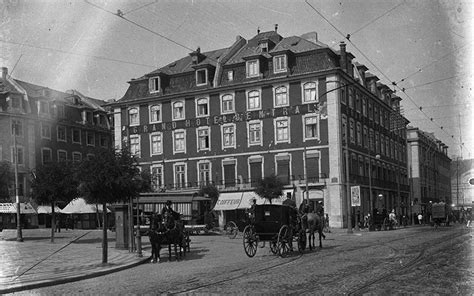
74,255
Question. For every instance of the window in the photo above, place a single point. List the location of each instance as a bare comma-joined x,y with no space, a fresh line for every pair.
155,113
45,131
351,130
255,133
227,103
179,141
90,156
46,155
18,156
230,75
364,107
382,112
43,107
310,127
76,156
154,84
358,102
179,175
157,177
371,139
202,107
103,141
309,92
229,167
382,144
178,110
377,143
76,136
201,77
135,145
62,155
203,137
366,137
351,98
133,116
156,143
283,167
61,133
359,133
312,164
387,147
279,64
344,128
371,114
17,127
253,100
255,169
253,69
281,96
282,131
15,102
204,173
90,138
376,113
228,136
343,96
60,111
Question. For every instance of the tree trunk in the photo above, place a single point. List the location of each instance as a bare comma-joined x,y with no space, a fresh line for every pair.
53,221
104,232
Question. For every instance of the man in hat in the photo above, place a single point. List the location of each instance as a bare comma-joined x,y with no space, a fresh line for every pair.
169,210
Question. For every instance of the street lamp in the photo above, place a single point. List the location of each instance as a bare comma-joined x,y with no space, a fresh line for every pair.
19,236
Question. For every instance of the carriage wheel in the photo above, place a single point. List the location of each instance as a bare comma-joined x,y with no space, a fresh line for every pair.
274,247
301,240
283,242
231,229
250,241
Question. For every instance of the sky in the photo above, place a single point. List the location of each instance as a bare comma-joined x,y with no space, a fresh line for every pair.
420,48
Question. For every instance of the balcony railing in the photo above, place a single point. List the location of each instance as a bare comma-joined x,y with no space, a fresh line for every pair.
240,184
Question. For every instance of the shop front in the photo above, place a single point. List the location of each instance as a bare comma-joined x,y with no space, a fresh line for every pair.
8,216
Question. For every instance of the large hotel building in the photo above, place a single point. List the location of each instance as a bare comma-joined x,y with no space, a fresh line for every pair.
289,106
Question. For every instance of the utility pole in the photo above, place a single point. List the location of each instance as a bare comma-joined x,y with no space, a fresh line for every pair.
19,236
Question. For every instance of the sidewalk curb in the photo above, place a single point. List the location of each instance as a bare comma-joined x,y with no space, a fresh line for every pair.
47,283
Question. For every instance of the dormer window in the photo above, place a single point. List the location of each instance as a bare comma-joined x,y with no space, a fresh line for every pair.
264,46
154,84
279,63
230,75
253,68
201,77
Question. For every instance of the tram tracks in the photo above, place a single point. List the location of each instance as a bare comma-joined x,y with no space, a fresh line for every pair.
425,250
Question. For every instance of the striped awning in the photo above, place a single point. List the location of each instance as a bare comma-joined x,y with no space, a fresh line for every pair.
47,209
11,208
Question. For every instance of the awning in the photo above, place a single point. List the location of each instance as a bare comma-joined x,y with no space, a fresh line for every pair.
174,198
10,208
47,209
228,201
79,206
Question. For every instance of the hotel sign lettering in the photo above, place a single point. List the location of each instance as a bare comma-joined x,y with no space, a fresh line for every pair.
231,118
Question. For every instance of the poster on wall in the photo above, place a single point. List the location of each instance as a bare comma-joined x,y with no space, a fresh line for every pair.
355,196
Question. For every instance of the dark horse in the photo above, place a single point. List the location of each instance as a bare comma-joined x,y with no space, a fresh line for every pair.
165,231
315,223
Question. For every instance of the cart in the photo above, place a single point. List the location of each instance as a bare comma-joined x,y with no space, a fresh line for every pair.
279,225
440,214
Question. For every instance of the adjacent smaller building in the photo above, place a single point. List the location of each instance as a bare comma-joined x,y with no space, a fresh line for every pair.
430,176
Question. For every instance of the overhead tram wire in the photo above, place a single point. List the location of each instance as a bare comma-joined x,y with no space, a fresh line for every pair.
347,37
75,53
140,7
120,14
375,19
431,82
433,62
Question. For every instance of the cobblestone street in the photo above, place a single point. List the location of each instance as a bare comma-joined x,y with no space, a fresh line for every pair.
415,260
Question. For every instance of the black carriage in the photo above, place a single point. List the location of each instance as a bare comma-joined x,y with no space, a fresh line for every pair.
276,224
440,213
380,221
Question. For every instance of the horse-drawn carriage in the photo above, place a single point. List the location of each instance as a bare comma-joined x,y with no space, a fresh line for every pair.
168,229
380,221
440,213
279,225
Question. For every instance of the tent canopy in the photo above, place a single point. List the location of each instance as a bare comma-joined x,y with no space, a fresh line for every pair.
79,206
10,208
47,209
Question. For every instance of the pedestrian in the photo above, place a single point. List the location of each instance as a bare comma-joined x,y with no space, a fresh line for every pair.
326,223
168,209
420,218
469,217
288,201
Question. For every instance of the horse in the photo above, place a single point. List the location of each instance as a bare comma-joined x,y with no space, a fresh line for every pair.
175,234
157,236
315,223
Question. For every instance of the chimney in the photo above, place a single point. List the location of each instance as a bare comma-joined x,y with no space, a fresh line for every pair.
4,72
258,30
276,27
343,62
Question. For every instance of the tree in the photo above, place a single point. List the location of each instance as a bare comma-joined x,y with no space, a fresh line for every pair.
53,182
109,177
211,191
5,180
270,188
